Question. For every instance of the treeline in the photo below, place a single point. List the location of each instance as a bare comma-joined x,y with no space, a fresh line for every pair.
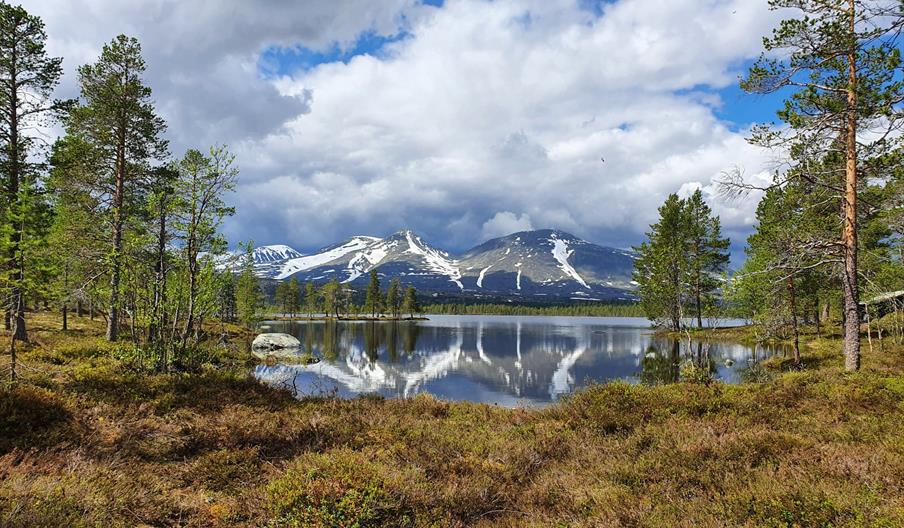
830,224
583,309
105,219
335,299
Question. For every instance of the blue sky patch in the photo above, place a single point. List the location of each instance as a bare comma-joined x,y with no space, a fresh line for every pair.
277,61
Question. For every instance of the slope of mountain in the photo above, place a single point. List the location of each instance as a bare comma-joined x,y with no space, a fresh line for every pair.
535,265
547,262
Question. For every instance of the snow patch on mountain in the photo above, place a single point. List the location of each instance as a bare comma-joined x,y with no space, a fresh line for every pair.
561,252
274,253
366,260
293,266
483,272
437,261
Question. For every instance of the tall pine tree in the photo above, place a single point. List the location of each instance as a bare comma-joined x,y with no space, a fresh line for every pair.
118,120
841,61
27,80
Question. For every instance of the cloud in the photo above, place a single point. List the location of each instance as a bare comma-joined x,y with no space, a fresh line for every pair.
482,109
505,223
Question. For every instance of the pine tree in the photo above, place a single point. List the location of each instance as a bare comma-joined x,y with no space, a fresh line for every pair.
394,297
118,120
678,267
409,303
707,254
330,294
373,300
227,297
661,268
248,295
293,294
841,62
311,298
27,80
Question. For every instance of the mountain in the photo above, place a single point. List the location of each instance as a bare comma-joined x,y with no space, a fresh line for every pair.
548,262
538,265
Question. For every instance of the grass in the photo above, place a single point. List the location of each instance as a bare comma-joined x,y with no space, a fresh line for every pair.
87,441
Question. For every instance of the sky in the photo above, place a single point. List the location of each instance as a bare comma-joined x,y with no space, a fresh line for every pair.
461,120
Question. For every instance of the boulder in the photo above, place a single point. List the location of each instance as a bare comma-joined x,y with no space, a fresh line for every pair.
275,342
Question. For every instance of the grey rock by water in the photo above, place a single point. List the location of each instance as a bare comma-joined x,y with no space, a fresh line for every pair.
274,342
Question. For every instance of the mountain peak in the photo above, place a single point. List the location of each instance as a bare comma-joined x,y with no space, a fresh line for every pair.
544,265
274,253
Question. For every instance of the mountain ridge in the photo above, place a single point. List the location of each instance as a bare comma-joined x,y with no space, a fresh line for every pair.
538,264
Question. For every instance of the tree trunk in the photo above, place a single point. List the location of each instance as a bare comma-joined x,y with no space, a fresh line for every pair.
849,234
818,321
118,198
699,304
793,294
65,317
79,309
158,320
192,293
15,250
12,357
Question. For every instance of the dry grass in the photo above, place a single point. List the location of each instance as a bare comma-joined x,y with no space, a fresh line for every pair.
85,441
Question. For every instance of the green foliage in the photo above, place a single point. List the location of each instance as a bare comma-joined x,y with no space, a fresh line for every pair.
312,296
28,78
679,267
344,488
410,303
394,297
373,300
117,121
248,294
330,293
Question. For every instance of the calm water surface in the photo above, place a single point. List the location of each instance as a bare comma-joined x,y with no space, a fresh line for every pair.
494,359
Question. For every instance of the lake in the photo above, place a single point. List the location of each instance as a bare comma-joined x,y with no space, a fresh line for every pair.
501,360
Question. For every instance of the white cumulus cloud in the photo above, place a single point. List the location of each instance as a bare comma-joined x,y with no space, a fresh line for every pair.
482,109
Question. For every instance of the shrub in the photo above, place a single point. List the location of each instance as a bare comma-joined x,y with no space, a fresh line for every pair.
342,489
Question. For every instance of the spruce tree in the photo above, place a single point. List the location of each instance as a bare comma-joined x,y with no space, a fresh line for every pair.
117,119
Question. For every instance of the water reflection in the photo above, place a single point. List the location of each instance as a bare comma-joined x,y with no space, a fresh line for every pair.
504,360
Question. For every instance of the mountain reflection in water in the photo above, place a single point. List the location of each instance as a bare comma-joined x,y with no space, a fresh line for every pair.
492,359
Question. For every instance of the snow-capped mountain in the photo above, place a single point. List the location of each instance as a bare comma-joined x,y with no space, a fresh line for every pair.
536,265
275,253
548,262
